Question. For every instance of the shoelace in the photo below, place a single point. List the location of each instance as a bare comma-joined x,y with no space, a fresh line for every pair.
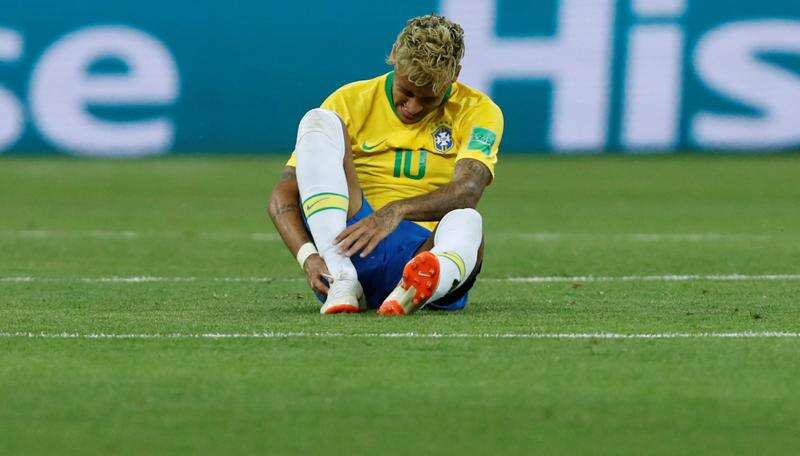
337,290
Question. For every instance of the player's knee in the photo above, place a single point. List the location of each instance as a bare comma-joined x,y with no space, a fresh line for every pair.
460,229
466,217
319,119
322,121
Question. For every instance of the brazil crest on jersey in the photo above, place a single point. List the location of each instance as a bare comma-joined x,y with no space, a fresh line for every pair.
394,160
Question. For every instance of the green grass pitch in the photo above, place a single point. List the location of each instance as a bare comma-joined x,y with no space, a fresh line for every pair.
680,248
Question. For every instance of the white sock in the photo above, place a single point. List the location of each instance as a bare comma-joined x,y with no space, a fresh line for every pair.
456,244
323,186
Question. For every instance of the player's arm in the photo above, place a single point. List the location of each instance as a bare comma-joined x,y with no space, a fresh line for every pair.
470,178
284,210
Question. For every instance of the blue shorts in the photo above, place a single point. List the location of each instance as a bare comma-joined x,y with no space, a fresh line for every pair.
380,272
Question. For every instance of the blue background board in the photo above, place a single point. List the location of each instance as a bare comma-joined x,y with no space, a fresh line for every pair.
248,71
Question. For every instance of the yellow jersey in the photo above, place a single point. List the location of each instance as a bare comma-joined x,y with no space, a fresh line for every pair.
394,160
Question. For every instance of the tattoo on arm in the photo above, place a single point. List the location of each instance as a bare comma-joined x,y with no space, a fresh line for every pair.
287,207
465,190
282,205
285,212
473,177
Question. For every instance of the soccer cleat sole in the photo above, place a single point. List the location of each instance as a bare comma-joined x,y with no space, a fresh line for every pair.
346,307
391,308
342,308
420,278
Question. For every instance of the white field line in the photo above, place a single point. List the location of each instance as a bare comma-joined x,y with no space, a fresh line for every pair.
272,237
146,279
407,335
532,279
657,278
631,237
134,235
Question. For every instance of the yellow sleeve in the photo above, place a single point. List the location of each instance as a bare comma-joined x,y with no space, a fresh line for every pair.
480,133
334,102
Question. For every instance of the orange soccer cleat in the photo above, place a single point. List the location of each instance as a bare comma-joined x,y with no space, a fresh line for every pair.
420,278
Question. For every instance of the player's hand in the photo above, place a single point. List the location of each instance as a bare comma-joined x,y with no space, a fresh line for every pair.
316,270
365,235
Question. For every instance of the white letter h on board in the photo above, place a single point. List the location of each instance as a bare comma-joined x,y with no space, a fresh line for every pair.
577,61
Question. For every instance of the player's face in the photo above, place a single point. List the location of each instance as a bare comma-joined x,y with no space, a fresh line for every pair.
411,102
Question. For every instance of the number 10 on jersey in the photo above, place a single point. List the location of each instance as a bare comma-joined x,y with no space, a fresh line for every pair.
402,163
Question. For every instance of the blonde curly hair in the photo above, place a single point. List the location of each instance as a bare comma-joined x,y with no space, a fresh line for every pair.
429,51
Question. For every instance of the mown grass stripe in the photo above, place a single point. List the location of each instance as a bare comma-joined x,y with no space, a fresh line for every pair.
406,335
503,236
531,279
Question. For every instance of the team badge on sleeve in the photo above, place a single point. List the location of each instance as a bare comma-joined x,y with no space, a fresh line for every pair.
443,139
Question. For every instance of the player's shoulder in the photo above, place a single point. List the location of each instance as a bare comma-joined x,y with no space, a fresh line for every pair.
467,101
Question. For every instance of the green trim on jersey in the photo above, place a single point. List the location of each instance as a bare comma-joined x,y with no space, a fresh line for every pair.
388,89
447,95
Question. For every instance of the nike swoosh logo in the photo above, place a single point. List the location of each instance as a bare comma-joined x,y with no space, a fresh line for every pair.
367,148
315,203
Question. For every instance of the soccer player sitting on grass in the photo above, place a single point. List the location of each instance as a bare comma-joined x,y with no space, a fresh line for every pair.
385,177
